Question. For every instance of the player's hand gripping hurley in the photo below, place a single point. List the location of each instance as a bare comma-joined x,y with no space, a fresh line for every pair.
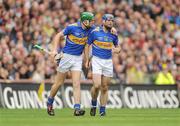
57,56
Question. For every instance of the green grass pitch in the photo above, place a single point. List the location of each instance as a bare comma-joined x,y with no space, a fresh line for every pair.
115,117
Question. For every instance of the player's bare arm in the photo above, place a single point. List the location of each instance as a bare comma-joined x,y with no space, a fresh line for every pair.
55,45
56,42
87,57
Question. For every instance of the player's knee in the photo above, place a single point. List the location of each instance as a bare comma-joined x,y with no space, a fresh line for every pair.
97,86
76,85
58,80
104,88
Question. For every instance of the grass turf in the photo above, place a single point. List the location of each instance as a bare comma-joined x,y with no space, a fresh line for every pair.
115,117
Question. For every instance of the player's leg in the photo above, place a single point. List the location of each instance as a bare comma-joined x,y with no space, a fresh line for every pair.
104,94
94,93
96,86
63,67
76,76
59,80
97,72
107,74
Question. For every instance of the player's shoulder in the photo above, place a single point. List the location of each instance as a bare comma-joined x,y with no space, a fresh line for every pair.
73,25
96,29
114,36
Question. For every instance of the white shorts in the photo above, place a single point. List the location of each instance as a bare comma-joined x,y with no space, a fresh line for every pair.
70,62
102,66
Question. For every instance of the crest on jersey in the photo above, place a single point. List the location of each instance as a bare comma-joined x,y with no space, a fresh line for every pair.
82,34
105,38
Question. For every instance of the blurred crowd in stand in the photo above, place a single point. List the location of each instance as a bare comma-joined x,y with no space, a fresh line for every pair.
148,30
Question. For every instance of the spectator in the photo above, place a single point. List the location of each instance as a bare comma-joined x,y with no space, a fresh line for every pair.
164,77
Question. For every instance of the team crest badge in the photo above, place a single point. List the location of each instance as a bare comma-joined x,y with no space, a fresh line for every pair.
105,38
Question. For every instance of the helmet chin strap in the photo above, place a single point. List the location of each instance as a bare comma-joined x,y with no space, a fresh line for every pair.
86,25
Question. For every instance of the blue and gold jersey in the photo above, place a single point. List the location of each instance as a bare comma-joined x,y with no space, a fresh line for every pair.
76,38
102,43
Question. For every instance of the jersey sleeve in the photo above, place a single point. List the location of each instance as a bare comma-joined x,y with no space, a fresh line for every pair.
116,41
91,38
67,30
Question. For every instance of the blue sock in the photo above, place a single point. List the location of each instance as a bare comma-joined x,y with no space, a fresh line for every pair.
77,106
50,101
102,109
94,103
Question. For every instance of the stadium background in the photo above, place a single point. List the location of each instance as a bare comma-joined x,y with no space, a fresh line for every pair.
149,33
